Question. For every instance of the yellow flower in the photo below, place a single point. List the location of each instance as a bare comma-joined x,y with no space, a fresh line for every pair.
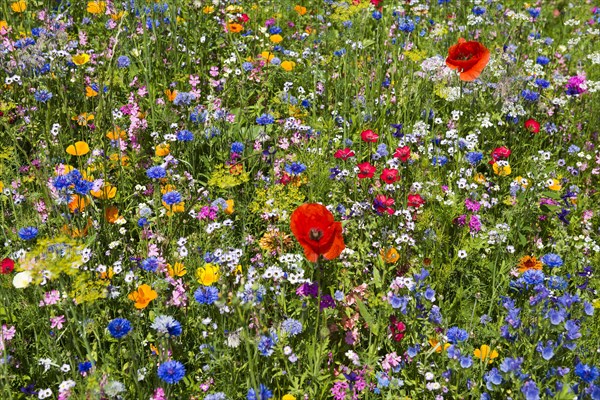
276,39
122,158
437,346
90,92
96,7
300,10
117,134
107,192
162,150
288,65
177,270
479,178
484,353
596,303
78,149
267,56
554,184
83,118
117,16
522,181
208,274
229,209
288,397
234,27
19,6
175,208
81,59
3,25
501,169
208,10
142,296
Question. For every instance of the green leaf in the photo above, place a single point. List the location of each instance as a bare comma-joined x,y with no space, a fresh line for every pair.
364,312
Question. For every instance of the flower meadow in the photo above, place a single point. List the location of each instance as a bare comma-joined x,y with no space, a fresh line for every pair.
362,199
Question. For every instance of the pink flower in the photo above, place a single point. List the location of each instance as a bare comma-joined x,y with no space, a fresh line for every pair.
344,154
57,322
369,136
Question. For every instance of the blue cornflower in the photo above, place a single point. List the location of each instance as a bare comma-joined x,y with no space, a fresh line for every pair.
413,351
474,157
28,233
237,147
542,60
206,294
264,393
171,198
573,149
534,12
339,53
295,168
552,260
84,367
171,371
455,335
544,84
382,150
265,119
274,30
167,325
119,327
142,222
530,95
533,277
123,62
530,391
429,294
266,344
347,24
406,24
42,95
247,66
150,264
185,136
586,373
292,327
157,172
376,15
478,10
439,160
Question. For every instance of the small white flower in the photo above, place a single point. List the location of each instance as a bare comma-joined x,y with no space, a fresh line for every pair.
462,254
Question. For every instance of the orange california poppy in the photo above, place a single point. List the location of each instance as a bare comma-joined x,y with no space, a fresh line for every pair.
528,262
317,232
469,58
300,10
485,352
389,255
142,296
162,150
234,27
78,203
111,214
171,94
19,6
106,192
78,149
81,59
96,7
117,134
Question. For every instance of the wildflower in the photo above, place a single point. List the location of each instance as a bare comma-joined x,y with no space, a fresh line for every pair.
415,201
295,168
107,192
171,371
390,255
167,325
552,260
96,7
528,262
469,58
7,266
263,394
42,95
484,353
317,232
344,154
28,233
586,373
366,170
266,344
530,390
456,335
301,11
265,119
288,65
292,327
501,168
530,95
389,175
208,274
157,172
206,294
142,296
150,264
382,204
18,6
81,59
532,125
369,136
83,119
78,149
176,270
119,327
172,198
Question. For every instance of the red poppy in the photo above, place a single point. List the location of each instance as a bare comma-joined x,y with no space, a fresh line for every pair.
500,153
532,125
469,58
369,136
403,153
383,204
317,232
344,154
389,175
415,200
366,170
7,266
